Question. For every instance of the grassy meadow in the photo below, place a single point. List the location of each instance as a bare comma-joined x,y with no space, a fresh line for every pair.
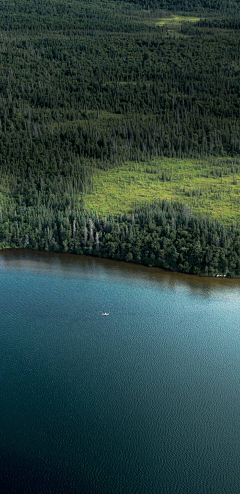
210,187
175,21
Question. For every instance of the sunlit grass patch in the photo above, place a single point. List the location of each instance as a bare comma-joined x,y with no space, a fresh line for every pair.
191,182
176,20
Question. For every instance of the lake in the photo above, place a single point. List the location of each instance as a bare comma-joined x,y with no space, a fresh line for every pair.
145,400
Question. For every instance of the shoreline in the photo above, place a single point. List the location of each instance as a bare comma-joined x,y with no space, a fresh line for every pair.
15,254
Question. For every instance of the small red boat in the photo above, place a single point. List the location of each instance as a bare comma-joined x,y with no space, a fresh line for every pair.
105,313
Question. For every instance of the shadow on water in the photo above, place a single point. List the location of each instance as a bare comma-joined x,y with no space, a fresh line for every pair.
103,269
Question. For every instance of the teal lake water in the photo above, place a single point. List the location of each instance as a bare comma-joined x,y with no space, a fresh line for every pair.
143,401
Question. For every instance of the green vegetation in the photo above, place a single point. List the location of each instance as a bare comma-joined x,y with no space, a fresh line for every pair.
225,6
176,21
100,108
160,234
210,187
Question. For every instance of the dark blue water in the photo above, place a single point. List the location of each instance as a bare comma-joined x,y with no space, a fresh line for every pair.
145,400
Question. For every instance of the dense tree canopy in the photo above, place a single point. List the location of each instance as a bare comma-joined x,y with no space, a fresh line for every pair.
86,85
189,5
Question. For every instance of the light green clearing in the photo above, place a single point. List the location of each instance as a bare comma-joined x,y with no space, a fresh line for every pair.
176,21
188,181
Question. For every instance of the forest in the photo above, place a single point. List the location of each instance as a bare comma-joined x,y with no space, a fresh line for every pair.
88,89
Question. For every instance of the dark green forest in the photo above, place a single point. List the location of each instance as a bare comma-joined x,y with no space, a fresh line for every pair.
225,6
90,85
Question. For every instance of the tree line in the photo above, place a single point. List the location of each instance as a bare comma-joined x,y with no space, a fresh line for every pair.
162,234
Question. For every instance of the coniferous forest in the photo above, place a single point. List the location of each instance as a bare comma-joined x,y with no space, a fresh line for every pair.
93,85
